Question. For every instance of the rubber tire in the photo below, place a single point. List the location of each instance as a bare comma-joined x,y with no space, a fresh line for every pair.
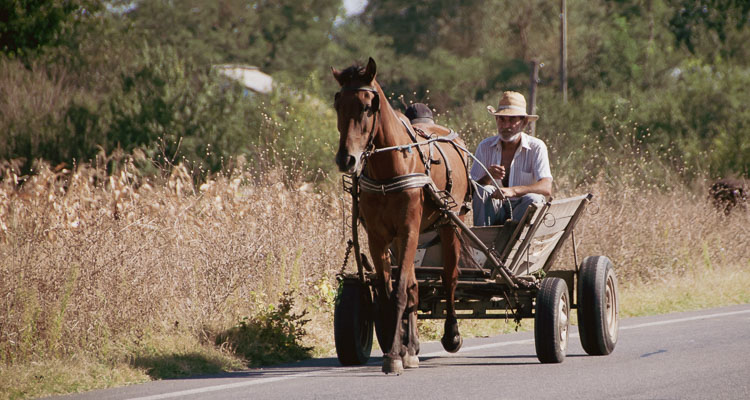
550,348
352,323
598,323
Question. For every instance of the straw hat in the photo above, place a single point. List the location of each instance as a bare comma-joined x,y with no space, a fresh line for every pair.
512,104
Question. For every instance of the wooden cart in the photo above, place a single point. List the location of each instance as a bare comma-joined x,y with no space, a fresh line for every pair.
512,277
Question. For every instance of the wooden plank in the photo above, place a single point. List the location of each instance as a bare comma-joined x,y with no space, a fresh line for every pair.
538,243
559,215
571,224
487,234
575,199
529,236
433,256
550,225
539,252
426,237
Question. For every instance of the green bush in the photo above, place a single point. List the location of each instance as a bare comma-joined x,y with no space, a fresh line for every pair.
272,336
172,110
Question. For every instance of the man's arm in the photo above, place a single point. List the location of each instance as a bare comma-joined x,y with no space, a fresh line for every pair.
542,186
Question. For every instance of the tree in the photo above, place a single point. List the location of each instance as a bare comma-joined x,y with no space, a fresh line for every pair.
27,26
712,25
292,36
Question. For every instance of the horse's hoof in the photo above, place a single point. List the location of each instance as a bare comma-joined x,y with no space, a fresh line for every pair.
411,361
393,366
452,345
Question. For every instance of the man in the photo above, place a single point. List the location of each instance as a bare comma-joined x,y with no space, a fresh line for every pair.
518,162
419,113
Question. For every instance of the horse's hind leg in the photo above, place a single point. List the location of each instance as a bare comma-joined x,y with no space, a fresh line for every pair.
451,247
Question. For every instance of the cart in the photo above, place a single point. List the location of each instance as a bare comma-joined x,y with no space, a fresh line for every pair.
512,277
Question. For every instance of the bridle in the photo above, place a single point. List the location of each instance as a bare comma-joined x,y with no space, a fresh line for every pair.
375,110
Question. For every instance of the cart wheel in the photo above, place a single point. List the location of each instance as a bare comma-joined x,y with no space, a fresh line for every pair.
352,323
551,321
598,306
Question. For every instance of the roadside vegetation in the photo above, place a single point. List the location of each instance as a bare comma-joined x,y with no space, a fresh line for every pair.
115,278
159,221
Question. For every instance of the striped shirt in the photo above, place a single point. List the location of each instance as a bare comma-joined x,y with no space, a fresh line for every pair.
529,165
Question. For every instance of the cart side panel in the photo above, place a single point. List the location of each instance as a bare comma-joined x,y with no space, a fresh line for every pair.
553,228
429,253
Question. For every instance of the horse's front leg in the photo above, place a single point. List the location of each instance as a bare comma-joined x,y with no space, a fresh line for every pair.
410,335
404,294
451,247
383,292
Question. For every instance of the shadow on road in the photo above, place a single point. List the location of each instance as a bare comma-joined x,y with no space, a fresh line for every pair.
171,366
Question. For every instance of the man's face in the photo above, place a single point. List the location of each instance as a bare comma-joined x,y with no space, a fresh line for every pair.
509,126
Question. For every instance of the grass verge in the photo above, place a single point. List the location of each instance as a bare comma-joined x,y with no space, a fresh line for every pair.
180,355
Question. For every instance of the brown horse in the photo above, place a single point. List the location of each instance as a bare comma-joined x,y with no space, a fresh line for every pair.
366,122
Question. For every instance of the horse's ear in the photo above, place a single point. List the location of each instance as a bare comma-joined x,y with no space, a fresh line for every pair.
371,70
337,74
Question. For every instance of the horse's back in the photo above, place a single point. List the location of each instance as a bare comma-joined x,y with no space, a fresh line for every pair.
432,129
456,160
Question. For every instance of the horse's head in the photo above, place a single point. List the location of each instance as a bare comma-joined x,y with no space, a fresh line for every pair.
357,105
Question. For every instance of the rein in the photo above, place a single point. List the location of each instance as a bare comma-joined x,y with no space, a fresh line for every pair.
407,147
400,183
371,139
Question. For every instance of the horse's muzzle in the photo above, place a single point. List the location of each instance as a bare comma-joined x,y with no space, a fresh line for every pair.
347,163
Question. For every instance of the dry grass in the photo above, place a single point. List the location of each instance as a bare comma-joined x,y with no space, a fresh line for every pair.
653,236
97,265
90,259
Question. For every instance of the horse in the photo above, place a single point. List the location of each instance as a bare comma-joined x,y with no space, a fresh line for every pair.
367,123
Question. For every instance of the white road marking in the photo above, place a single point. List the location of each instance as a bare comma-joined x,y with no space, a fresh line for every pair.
235,385
478,347
259,381
673,321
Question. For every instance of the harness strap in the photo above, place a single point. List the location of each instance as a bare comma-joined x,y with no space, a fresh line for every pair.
448,171
397,184
413,136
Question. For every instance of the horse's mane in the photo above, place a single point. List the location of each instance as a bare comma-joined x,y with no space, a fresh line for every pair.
356,71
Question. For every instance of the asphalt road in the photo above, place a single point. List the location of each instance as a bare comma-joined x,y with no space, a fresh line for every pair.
694,355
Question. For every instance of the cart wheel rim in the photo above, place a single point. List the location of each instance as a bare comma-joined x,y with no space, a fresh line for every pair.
611,307
563,322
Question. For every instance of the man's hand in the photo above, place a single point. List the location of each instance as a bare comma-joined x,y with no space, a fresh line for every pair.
504,192
497,171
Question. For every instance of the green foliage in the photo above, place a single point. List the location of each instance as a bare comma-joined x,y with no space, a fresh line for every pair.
268,34
296,130
707,24
270,337
140,76
27,26
174,110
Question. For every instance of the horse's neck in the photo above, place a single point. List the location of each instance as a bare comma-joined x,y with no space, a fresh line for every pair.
391,132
